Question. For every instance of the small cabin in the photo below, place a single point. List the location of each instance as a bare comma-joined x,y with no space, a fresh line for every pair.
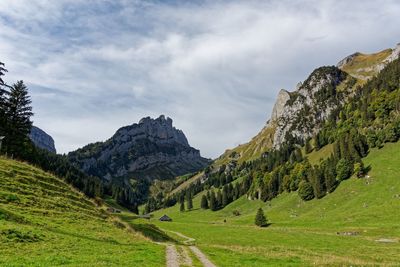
165,218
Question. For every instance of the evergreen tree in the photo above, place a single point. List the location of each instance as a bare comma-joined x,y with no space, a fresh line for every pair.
182,207
225,200
204,202
344,169
213,201
260,220
19,125
189,200
219,199
306,191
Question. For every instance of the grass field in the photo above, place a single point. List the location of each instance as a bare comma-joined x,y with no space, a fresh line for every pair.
44,222
306,233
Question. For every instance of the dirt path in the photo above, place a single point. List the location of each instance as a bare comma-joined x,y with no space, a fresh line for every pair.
172,256
203,258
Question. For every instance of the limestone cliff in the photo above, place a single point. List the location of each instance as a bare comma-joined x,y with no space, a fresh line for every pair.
41,139
151,149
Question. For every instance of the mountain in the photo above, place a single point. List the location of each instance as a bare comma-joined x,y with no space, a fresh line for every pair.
138,154
42,140
321,94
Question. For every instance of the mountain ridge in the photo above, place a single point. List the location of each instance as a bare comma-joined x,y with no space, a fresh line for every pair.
358,67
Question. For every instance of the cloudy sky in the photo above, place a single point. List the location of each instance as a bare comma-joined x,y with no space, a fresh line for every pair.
214,67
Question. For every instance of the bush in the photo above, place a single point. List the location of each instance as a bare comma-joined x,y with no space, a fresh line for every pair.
306,191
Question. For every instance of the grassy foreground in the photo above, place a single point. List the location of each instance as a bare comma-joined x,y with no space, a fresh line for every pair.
44,222
306,233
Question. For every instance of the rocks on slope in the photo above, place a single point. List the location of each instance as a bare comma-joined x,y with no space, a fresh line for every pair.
42,140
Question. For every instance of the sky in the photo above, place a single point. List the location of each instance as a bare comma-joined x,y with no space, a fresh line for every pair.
214,67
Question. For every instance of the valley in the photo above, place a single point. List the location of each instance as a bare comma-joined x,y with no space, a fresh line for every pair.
318,185
305,233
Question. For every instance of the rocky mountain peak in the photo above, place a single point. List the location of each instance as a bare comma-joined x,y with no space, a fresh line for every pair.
41,139
158,130
139,153
282,98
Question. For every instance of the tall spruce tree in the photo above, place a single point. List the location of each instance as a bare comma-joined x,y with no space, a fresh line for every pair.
213,201
204,202
19,112
260,220
189,200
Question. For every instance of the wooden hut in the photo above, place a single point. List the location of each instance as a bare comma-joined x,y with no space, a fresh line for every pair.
165,218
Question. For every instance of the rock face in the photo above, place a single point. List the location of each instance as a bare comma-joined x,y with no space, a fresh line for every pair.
148,150
42,140
300,114
304,111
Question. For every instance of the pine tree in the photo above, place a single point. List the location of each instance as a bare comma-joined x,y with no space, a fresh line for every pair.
225,200
18,113
308,147
189,200
204,202
213,201
182,207
219,199
260,220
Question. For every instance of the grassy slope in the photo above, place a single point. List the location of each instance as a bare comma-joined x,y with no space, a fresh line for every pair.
305,233
362,65
44,222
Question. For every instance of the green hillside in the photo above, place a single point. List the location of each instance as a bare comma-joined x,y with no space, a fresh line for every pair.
44,222
306,233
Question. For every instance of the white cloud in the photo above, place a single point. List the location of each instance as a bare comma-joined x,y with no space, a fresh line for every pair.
214,66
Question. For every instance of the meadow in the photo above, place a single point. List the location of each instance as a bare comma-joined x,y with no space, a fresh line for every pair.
45,222
356,225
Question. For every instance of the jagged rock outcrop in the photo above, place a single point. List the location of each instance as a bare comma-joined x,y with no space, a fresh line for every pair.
302,115
299,114
148,150
42,140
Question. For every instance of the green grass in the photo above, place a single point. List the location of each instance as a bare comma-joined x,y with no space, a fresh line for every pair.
305,233
315,156
45,222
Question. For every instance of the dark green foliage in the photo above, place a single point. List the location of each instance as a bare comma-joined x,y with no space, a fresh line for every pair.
359,169
306,191
18,112
204,202
344,169
182,207
189,200
260,220
213,202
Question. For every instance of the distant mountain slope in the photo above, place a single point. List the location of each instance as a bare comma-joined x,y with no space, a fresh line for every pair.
322,93
139,153
42,140
45,222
